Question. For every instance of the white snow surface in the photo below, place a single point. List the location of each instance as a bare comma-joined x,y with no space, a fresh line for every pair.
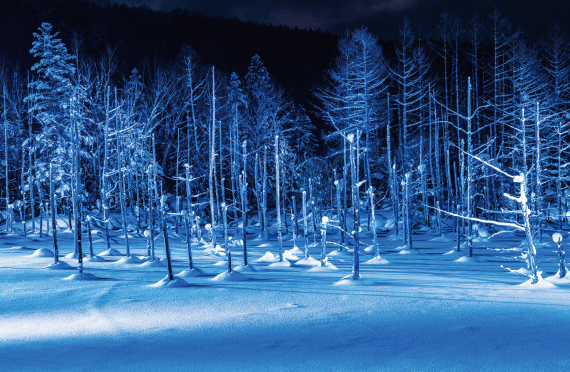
234,276
421,312
42,252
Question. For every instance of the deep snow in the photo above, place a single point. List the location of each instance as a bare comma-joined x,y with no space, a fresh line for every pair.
421,312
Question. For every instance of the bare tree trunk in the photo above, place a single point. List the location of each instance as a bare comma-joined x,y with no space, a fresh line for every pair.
187,215
245,204
212,134
7,165
279,236
53,216
226,244
264,192
104,196
75,189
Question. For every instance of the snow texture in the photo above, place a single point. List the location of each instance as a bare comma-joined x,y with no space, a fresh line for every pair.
42,252
279,320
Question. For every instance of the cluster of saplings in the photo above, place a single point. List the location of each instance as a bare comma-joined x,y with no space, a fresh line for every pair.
473,126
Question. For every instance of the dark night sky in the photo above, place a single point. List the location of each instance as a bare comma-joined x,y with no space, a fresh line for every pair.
381,16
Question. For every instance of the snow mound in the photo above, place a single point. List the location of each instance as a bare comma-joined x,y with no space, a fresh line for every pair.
370,249
320,267
94,259
377,261
541,284
59,266
557,280
155,263
191,273
265,245
267,257
42,252
110,252
410,251
295,251
453,251
279,264
467,259
167,283
291,257
221,263
248,268
307,262
339,253
349,281
129,260
82,276
234,276
72,256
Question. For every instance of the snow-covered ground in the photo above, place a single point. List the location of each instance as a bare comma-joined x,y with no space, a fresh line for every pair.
417,312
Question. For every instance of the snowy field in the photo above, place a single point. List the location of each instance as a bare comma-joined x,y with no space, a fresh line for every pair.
418,312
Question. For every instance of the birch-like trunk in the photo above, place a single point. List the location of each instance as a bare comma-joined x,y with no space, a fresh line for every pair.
53,215
245,204
75,189
226,238
305,232
212,135
279,236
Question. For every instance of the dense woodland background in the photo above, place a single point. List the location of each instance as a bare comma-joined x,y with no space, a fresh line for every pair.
119,100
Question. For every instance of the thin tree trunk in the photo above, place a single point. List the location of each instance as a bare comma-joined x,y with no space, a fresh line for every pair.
279,236
53,216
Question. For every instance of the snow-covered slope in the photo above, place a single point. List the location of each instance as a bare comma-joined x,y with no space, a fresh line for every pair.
422,312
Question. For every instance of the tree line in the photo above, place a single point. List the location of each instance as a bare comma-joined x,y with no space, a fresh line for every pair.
441,128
